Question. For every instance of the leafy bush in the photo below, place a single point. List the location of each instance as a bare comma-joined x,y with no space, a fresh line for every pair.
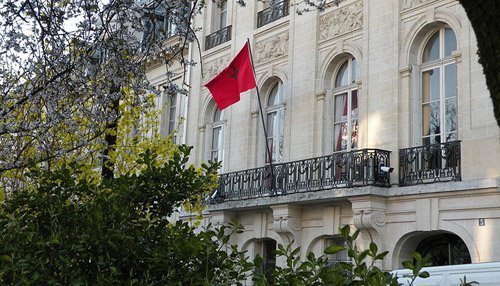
318,271
69,230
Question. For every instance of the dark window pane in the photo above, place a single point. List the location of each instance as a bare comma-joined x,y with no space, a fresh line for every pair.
273,96
430,85
450,42
340,137
355,70
450,80
431,51
451,115
342,75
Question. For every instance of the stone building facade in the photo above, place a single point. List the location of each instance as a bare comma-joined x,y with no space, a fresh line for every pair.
346,94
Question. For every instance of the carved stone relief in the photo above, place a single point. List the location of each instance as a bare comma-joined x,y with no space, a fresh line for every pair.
271,48
288,227
370,222
214,67
409,4
341,21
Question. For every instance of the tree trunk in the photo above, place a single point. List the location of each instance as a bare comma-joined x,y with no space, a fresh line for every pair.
110,138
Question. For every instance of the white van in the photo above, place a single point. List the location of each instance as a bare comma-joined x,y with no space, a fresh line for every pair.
484,273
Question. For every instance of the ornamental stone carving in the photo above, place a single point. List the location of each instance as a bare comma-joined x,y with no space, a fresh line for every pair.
409,4
287,223
369,219
341,21
214,67
287,227
271,48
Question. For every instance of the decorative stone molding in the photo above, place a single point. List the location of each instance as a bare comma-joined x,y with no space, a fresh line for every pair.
288,223
212,68
320,96
410,4
373,219
254,114
271,48
341,21
369,218
406,72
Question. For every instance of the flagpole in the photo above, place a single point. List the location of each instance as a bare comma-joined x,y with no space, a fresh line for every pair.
270,154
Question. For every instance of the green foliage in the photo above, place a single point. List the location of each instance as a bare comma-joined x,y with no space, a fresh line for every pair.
483,16
318,270
463,282
68,230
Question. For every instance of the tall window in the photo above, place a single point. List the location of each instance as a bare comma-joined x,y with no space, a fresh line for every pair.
220,16
217,148
439,88
159,24
346,106
172,110
266,248
153,22
275,123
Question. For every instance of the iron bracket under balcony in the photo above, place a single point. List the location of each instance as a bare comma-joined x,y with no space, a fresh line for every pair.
339,170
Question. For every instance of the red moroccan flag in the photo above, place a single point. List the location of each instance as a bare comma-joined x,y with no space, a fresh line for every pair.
233,80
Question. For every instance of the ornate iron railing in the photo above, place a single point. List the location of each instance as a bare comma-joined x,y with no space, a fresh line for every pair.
339,170
429,164
274,12
218,37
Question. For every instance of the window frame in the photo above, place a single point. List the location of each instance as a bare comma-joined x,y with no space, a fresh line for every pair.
221,125
278,110
441,63
353,82
221,16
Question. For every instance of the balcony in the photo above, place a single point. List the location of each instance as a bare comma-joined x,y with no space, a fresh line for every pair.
273,13
216,38
339,170
430,164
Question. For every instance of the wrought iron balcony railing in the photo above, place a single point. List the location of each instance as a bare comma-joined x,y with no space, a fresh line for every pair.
218,37
339,170
429,164
274,12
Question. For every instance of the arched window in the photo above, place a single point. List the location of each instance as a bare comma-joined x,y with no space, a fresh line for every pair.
169,122
217,146
275,123
345,121
266,248
172,112
445,249
340,256
439,88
